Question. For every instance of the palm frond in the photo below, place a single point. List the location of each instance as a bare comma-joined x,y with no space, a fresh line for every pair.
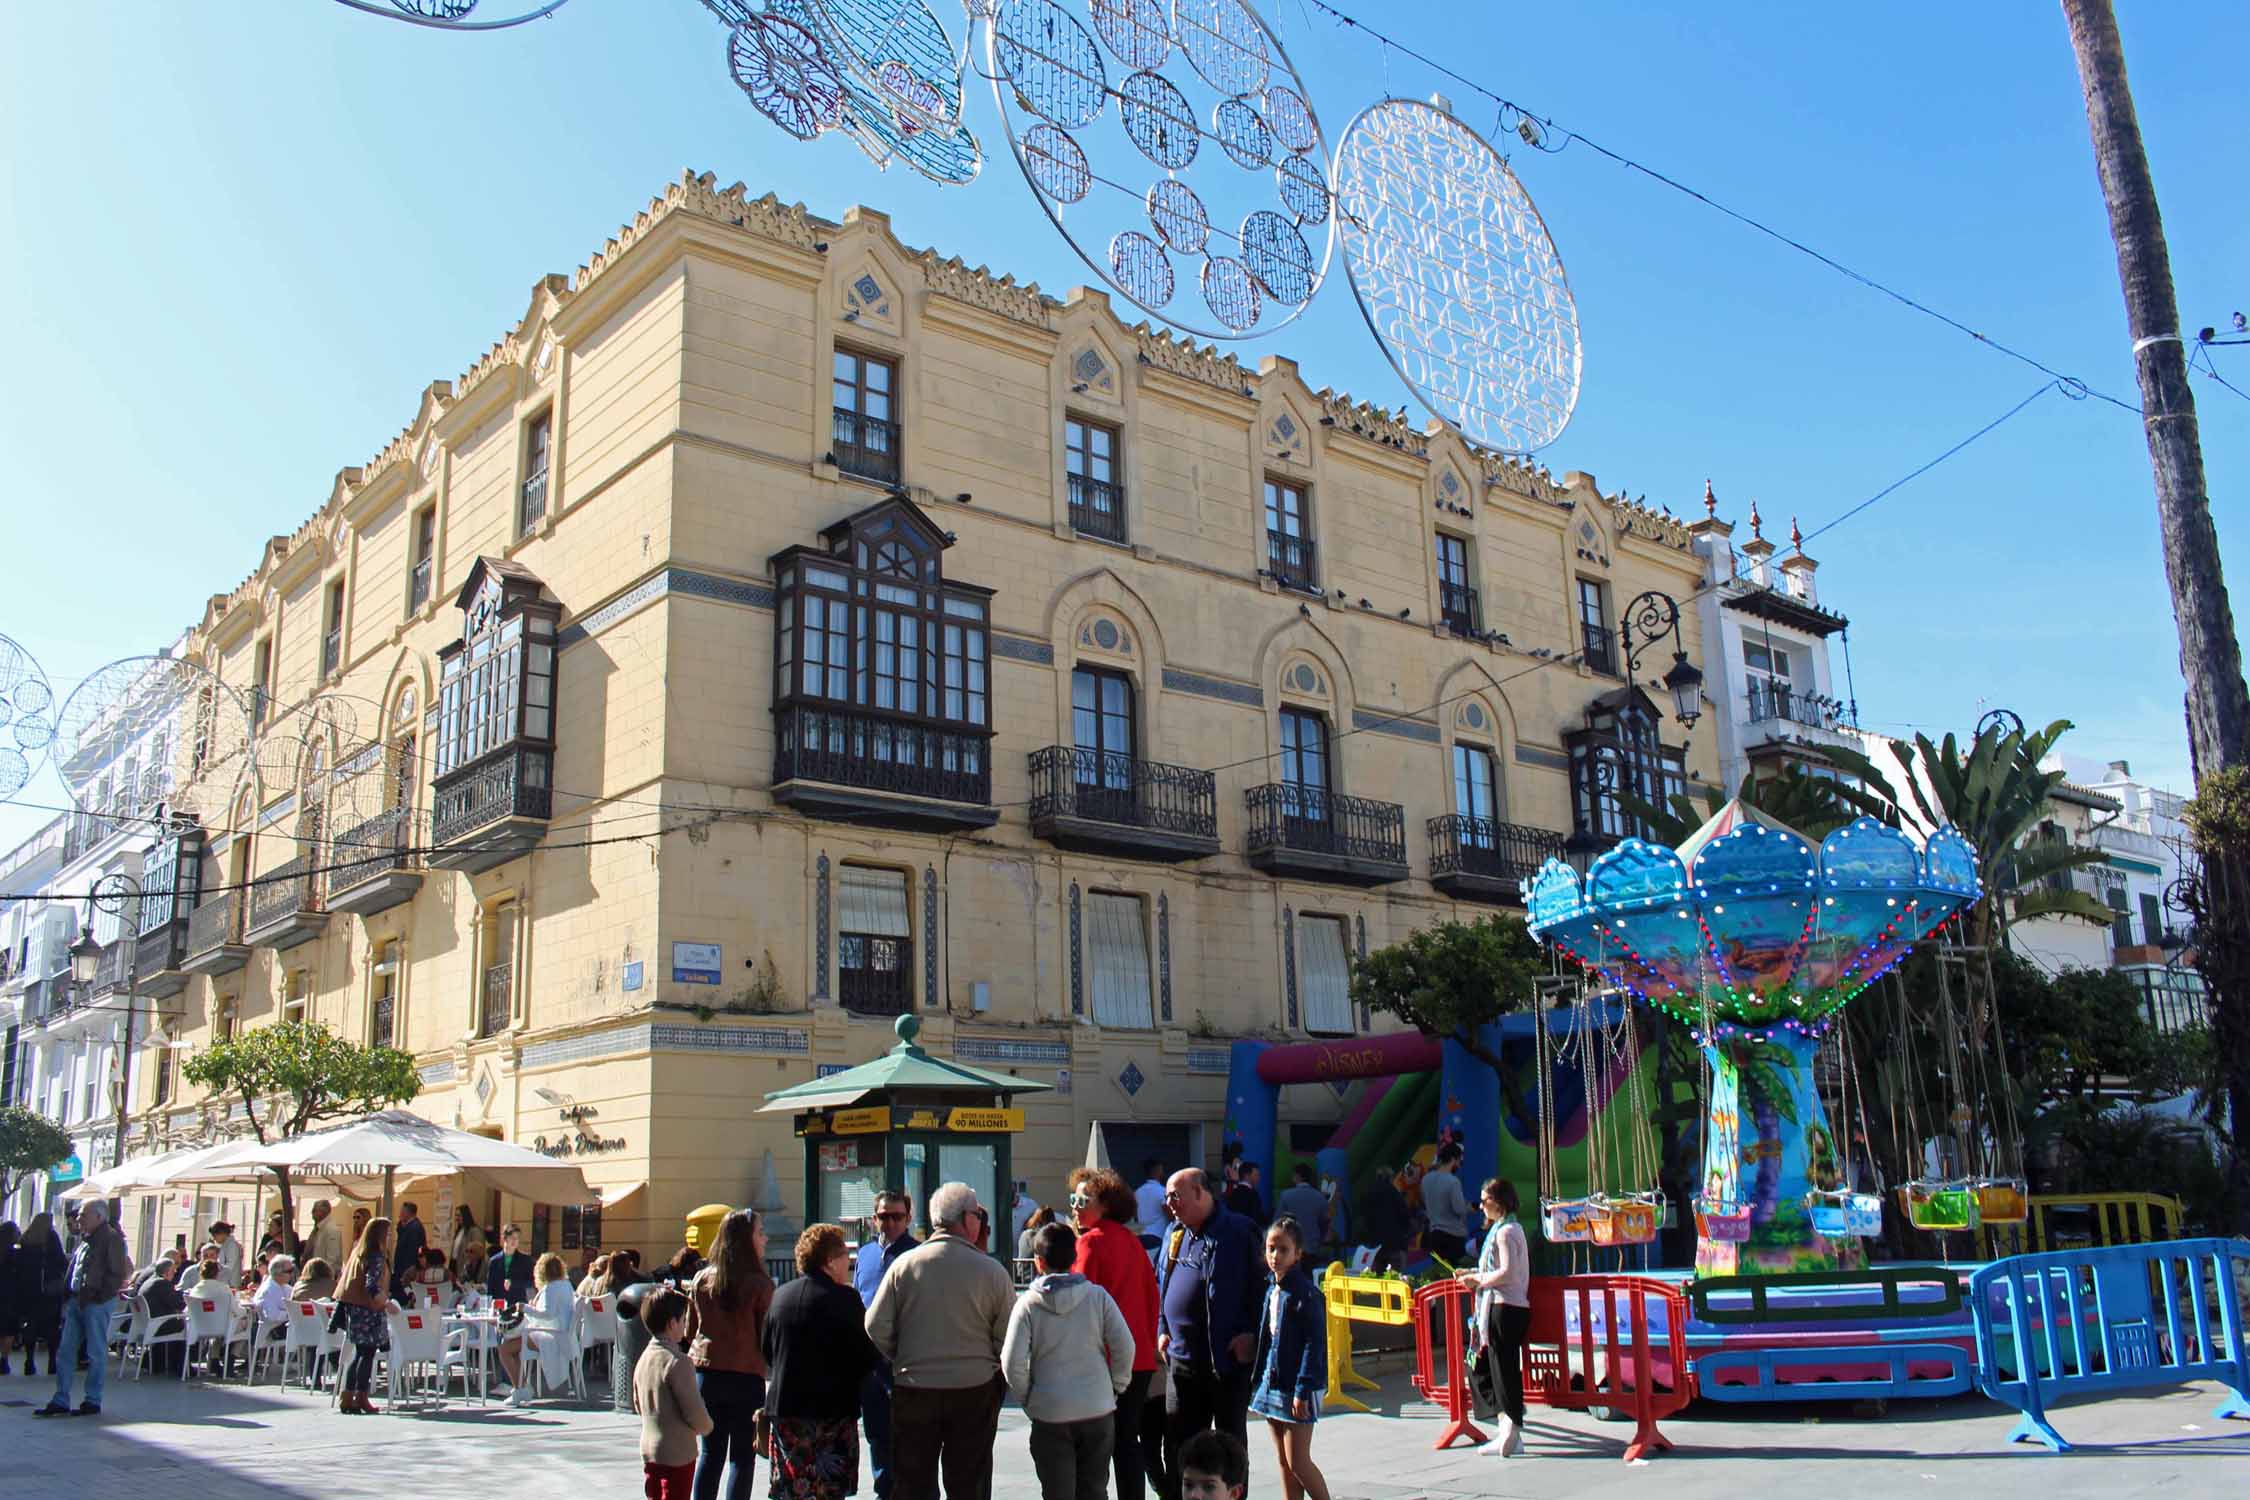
2052,903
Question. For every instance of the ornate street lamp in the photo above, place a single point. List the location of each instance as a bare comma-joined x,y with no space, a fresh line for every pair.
85,956
1648,619
2006,719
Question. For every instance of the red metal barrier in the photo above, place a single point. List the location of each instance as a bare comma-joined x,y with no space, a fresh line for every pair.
1441,1310
1608,1359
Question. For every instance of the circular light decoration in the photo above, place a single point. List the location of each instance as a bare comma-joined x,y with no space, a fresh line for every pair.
447,15
150,730
27,716
1204,197
1456,275
780,66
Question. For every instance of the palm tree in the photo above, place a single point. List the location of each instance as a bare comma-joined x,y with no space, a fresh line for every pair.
1995,796
1814,806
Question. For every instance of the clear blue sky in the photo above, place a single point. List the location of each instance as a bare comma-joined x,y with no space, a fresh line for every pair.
242,237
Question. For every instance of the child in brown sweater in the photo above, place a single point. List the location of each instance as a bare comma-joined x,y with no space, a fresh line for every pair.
664,1393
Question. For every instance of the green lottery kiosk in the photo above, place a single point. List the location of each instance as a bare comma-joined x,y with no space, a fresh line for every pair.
911,1122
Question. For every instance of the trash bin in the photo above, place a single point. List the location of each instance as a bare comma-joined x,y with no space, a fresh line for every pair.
632,1339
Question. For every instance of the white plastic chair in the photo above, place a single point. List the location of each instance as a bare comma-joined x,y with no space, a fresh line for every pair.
139,1338
597,1326
417,1358
213,1320
269,1343
546,1344
469,1352
305,1339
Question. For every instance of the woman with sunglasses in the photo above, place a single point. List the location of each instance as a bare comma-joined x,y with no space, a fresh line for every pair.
1111,1257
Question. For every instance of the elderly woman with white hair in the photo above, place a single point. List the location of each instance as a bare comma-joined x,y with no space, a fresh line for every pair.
940,1317
90,1287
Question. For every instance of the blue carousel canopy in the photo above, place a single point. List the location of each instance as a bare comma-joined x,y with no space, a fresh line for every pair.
1750,918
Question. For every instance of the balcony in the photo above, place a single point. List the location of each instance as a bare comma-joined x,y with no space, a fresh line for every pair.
1457,607
1477,859
1324,835
331,651
531,505
285,907
162,959
372,869
1774,703
1097,508
875,975
111,969
1292,561
495,999
489,812
418,583
860,767
1114,804
864,446
214,937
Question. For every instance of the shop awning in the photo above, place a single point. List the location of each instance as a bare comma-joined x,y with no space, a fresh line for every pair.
905,1066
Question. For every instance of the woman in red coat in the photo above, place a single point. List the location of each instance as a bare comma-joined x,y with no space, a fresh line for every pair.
1110,1255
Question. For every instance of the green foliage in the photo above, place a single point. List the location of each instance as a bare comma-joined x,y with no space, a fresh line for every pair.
2079,1041
1815,806
1765,1068
2218,815
1995,794
292,1075
2137,1150
29,1142
1450,980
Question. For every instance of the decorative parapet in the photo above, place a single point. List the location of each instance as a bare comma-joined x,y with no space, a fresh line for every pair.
1525,478
1196,362
1649,525
950,276
1373,423
695,193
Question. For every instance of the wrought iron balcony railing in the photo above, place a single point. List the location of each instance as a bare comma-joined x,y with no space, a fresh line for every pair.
881,981
418,584
493,1003
531,505
382,1022
1489,850
1776,702
865,446
287,890
881,753
1292,560
331,652
1313,820
485,792
1070,782
216,924
1457,606
376,847
1097,508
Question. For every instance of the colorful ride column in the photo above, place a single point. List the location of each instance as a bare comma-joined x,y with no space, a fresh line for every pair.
1756,940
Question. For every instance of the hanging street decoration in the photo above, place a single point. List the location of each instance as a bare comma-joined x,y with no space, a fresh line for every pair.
27,716
448,15
1176,152
1456,275
155,731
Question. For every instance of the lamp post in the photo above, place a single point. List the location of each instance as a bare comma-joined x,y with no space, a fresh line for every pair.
1648,619
110,894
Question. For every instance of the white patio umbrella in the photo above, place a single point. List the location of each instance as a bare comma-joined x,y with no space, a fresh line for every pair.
154,1172
393,1142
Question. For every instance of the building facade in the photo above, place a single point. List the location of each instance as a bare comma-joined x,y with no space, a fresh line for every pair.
1777,698
782,630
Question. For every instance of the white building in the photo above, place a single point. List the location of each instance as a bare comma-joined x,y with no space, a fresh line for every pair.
1776,694
2147,845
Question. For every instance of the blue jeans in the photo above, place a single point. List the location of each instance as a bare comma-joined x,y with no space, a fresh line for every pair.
875,1411
85,1329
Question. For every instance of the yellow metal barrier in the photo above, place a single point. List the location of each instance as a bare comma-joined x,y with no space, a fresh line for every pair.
2114,1219
1385,1300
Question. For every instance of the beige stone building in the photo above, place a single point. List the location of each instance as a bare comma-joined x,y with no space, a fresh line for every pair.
781,629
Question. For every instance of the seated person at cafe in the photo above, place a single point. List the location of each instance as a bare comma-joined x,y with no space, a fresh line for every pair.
166,1309
433,1281
209,1280
316,1281
272,1296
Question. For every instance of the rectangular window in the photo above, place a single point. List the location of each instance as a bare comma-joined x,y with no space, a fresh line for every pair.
1117,953
382,1014
1474,784
160,1089
1290,556
2152,918
874,942
332,636
1304,766
1101,729
296,995
1457,602
2120,925
496,996
865,435
1097,501
1593,626
532,507
1327,971
423,558
261,681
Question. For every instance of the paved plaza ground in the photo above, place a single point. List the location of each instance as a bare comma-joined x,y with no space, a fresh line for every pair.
159,1437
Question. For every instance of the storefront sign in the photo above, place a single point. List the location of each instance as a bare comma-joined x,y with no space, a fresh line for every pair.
966,1118
695,963
580,1143
871,1121
69,1169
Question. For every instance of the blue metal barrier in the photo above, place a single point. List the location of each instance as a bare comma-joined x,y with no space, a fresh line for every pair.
2109,1318
1717,1373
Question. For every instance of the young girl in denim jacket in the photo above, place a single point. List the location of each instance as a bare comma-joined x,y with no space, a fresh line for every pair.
1292,1361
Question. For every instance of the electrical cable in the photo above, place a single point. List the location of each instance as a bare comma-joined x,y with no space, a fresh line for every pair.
1568,136
2052,385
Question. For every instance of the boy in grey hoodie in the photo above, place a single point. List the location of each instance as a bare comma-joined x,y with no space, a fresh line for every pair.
1067,1356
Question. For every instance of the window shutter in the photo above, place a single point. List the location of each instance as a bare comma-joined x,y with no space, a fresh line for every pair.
1328,976
873,902
1117,944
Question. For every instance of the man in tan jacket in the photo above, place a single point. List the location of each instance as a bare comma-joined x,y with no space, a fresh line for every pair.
940,1318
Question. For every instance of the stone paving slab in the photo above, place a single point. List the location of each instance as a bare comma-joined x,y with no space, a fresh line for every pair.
287,1445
